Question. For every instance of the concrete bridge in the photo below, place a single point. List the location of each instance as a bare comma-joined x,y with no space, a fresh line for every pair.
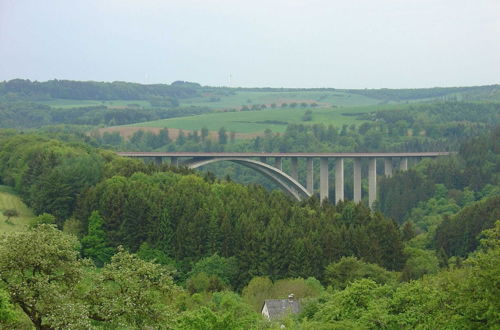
259,161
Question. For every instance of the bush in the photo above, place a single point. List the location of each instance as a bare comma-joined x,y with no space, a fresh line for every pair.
349,269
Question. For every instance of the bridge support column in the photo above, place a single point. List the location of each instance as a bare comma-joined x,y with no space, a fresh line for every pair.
403,166
323,179
388,167
263,159
339,180
174,161
310,175
278,163
158,160
372,181
294,168
357,180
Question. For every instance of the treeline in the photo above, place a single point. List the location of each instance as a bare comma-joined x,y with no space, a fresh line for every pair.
31,115
452,93
431,117
118,90
93,90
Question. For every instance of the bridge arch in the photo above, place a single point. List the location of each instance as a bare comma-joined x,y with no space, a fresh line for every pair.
286,182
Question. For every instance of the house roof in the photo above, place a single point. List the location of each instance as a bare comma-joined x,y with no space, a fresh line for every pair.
278,308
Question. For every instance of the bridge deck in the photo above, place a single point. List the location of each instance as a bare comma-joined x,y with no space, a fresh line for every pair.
286,154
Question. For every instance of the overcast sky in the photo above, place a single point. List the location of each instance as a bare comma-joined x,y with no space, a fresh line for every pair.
277,43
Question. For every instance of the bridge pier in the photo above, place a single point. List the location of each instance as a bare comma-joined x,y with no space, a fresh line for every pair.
323,179
403,165
357,180
278,163
339,180
158,160
294,168
263,159
174,161
388,167
310,176
372,181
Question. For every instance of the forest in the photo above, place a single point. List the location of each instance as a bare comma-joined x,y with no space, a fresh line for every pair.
121,243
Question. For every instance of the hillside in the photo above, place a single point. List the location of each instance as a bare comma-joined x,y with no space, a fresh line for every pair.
27,104
258,121
10,200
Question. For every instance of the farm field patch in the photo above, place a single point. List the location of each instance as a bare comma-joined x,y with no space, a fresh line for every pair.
258,121
249,98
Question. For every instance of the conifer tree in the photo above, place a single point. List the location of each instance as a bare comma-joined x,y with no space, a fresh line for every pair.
94,244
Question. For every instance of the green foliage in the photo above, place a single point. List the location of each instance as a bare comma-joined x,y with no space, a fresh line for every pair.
43,219
91,90
457,235
361,304
7,312
94,244
131,292
226,310
44,276
146,252
460,298
225,269
262,288
419,263
349,269
307,116
10,213
187,218
41,271
395,198
227,234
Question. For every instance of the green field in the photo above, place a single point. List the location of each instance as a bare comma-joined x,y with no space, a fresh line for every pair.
249,98
10,200
237,100
258,121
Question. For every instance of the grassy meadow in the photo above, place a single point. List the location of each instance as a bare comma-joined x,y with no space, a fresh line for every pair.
273,119
10,200
249,98
236,100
